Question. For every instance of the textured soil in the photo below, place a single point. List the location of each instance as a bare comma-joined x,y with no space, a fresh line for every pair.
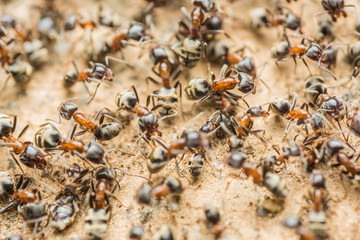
236,196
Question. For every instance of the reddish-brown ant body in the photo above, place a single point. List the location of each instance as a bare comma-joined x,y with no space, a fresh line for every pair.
237,160
166,95
29,154
96,73
102,131
148,121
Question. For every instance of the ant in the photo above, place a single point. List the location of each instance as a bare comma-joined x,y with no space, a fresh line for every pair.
222,85
166,95
212,125
304,232
137,32
243,126
212,220
299,114
93,151
29,154
237,160
96,73
196,32
148,121
102,131
334,147
260,17
307,156
101,192
171,185
314,52
29,203
279,106
160,156
335,8
317,215
6,186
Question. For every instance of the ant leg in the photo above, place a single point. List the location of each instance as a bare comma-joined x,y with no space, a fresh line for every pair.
178,84
14,123
93,96
84,159
5,83
57,158
80,133
17,162
114,119
176,73
87,88
6,208
23,131
294,101
356,83
151,80
286,131
118,60
73,132
278,60
356,13
203,98
133,175
259,137
222,72
294,58
307,66
315,22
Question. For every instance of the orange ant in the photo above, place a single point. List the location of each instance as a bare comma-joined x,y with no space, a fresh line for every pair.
222,85
29,203
314,52
237,160
299,114
137,32
317,216
105,177
243,126
96,73
304,232
148,121
166,95
29,154
335,8
102,132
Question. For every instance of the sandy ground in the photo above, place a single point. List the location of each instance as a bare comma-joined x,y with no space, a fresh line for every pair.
235,196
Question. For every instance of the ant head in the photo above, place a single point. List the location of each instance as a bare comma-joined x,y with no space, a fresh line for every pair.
67,109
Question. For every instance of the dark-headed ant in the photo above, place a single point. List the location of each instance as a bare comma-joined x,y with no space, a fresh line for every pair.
102,131
299,114
335,8
167,95
148,121
317,218
171,185
324,55
304,232
96,73
93,151
29,155
260,17
29,203
237,160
